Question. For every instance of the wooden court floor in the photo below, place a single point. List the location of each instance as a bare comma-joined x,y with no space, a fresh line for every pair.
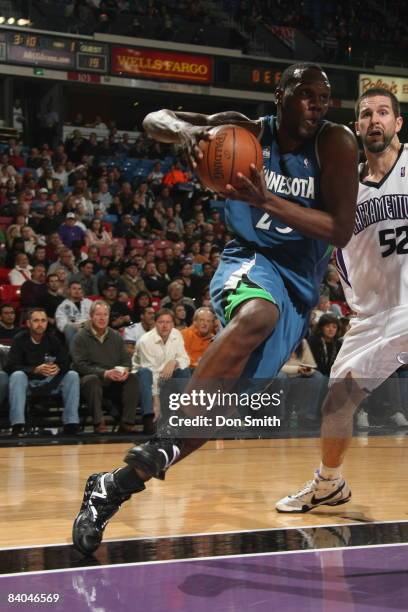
225,486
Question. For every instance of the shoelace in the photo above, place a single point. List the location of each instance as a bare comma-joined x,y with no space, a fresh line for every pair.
306,488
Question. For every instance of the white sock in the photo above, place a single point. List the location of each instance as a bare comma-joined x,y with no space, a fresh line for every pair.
329,473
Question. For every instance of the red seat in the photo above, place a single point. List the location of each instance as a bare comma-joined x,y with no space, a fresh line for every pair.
137,243
6,221
156,304
105,250
10,293
4,272
121,241
343,306
162,244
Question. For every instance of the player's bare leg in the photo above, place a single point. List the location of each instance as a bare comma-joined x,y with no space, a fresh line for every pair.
227,357
339,407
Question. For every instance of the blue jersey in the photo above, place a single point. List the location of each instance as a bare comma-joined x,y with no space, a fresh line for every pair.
295,176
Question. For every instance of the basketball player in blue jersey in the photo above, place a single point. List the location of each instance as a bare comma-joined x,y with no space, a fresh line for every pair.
267,282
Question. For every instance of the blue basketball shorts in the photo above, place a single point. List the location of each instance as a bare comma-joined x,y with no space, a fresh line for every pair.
246,274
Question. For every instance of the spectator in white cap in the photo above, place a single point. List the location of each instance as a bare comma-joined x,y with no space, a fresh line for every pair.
41,200
69,231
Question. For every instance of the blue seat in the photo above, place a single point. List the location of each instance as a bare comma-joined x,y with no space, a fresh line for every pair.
111,218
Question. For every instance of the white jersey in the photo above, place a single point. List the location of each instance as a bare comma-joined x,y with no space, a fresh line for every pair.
374,264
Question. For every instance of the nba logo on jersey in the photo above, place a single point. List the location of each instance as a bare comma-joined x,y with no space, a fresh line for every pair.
266,153
403,171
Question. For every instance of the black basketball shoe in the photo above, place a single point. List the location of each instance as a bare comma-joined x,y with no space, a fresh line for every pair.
102,499
154,457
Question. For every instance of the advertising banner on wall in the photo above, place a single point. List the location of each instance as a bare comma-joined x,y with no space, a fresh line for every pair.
161,65
396,85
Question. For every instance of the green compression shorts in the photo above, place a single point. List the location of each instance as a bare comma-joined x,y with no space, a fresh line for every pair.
243,292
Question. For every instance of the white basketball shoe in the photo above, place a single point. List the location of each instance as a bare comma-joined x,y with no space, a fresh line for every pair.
316,492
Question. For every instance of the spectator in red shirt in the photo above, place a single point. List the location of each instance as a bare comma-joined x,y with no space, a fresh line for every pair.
175,175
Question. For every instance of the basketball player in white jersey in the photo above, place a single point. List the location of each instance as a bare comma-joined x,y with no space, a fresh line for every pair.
374,271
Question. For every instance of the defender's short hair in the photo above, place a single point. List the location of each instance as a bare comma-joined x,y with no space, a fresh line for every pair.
379,91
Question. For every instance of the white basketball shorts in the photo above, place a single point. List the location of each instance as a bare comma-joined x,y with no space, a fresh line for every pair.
374,348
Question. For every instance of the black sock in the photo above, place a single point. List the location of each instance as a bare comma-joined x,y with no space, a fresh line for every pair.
128,481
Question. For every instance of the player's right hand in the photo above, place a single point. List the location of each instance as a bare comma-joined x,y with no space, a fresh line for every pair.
189,140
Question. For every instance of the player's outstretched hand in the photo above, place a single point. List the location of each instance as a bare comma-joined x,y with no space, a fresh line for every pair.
253,190
189,139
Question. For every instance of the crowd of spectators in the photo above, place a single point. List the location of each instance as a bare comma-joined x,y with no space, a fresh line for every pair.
342,29
114,264
78,226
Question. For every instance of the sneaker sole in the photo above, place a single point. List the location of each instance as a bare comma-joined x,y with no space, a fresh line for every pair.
305,508
77,543
89,486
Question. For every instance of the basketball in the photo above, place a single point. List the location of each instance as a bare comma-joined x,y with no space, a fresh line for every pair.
232,150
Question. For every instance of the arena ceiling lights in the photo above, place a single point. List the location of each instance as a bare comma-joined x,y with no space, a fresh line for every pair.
11,21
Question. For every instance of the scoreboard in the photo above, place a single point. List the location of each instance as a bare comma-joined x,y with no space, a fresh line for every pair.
92,57
55,52
248,74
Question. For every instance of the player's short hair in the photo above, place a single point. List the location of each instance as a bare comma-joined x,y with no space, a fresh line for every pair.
288,75
379,91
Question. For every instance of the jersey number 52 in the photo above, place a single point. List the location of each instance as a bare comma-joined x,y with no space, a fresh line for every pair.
395,240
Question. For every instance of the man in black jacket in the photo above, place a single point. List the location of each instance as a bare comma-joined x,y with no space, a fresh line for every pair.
100,357
37,360
33,291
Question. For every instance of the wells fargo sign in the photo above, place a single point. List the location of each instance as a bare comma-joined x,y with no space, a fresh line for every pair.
161,65
396,85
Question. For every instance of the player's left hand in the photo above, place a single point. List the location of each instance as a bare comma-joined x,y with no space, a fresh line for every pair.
253,190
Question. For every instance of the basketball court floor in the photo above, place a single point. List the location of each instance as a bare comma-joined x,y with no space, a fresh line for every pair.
208,538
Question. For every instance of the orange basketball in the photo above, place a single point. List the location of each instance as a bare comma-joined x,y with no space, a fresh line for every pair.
232,150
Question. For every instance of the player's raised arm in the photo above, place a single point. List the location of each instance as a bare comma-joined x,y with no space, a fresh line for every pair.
188,129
